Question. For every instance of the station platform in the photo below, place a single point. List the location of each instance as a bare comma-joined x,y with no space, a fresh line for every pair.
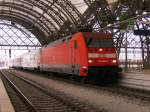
141,74
146,72
137,79
5,103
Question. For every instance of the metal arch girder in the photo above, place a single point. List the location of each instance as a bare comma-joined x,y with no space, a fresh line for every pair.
57,17
21,17
129,8
66,8
68,11
71,12
87,13
4,38
6,32
53,14
136,5
13,41
20,29
43,40
27,11
28,18
116,12
120,9
73,21
64,14
99,12
118,40
35,30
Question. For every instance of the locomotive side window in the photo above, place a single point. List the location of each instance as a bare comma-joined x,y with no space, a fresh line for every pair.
95,42
75,44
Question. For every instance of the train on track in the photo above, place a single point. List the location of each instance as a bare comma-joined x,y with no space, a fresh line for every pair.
83,54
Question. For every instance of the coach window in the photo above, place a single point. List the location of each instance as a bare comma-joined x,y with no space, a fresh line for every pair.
75,44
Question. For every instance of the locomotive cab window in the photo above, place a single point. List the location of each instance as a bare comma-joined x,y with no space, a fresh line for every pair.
75,44
97,42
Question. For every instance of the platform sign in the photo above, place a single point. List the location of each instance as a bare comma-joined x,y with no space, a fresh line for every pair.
142,32
131,23
126,23
123,17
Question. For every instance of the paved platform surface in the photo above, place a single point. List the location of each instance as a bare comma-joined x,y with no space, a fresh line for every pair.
137,79
139,74
146,72
5,103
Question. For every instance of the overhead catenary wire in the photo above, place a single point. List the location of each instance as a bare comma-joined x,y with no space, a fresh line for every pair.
125,21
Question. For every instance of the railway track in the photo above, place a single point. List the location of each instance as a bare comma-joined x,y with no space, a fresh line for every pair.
120,89
119,95
19,101
28,96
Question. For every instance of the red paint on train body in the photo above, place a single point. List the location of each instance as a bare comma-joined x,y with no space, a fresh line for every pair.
81,54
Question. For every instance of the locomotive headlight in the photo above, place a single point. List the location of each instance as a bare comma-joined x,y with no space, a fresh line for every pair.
100,49
84,67
114,61
90,61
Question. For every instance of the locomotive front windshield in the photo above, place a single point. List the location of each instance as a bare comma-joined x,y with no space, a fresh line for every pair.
96,42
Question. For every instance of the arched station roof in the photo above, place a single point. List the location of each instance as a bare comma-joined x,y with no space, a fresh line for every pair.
43,18
49,20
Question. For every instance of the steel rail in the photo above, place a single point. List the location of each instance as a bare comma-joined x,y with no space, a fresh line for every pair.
71,104
18,91
115,89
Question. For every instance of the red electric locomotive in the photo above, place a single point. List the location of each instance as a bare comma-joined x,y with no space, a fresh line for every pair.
83,54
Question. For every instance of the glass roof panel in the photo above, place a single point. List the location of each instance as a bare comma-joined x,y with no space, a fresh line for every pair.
80,5
13,34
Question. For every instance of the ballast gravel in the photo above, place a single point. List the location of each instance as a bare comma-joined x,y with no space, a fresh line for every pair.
96,97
